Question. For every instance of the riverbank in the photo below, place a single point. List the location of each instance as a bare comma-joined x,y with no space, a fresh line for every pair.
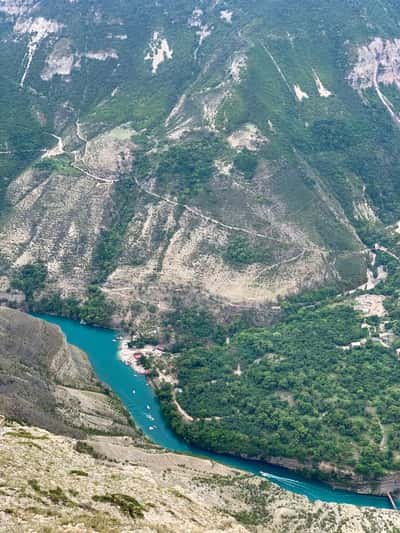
131,357
323,472
137,395
193,430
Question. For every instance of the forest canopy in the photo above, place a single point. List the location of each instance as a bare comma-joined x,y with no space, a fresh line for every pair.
295,390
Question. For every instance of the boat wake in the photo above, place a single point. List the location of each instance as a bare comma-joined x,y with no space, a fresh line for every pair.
280,479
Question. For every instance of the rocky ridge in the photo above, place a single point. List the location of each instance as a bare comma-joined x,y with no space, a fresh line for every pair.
49,383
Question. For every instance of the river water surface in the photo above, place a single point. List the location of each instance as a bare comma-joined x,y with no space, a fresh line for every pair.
102,348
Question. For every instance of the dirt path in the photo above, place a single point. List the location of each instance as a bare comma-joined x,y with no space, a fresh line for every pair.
201,215
285,262
385,101
12,152
278,68
121,291
80,136
383,443
75,165
372,411
93,176
186,415
180,409
386,251
56,150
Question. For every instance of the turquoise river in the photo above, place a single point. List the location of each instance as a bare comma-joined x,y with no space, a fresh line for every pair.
101,346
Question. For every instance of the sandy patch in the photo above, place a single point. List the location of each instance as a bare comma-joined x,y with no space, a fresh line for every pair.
238,66
363,211
248,137
238,372
300,94
159,51
38,29
323,91
226,16
61,61
370,305
102,55
372,280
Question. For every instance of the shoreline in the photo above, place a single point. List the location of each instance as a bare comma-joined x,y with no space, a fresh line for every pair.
127,356
342,480
376,502
329,475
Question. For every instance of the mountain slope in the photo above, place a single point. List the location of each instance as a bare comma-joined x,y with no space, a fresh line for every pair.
49,383
280,121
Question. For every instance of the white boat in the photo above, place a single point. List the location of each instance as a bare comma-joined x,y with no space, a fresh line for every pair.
148,406
133,391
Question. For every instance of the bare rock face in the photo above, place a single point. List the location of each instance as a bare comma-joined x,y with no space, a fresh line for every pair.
377,67
377,63
47,382
58,219
61,61
108,87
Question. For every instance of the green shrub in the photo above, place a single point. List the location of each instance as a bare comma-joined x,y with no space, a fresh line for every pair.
246,163
127,504
241,252
80,473
29,279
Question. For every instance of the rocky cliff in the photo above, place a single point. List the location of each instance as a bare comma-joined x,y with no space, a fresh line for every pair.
49,383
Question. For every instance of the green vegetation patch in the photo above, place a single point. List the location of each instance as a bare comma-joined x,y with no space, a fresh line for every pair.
29,279
80,473
23,434
241,252
299,393
82,446
59,165
96,309
246,163
186,168
56,496
193,326
126,504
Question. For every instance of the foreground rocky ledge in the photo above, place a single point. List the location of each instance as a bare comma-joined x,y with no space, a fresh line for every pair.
109,484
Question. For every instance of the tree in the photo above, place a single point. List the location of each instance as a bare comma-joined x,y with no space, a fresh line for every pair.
30,279
246,163
97,309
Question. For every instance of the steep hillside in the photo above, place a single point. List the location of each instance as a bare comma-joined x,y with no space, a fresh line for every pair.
46,382
235,150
